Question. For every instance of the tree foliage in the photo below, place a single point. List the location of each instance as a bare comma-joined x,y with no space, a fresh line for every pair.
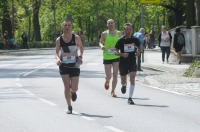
41,19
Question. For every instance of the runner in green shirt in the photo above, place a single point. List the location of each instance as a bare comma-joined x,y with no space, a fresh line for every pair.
110,60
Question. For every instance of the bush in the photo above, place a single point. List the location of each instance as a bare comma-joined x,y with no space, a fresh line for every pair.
191,71
41,44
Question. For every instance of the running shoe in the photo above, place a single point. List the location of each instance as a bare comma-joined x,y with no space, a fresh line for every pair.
73,96
106,85
113,94
130,101
123,89
69,111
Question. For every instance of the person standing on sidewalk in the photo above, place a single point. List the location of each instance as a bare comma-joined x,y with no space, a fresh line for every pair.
165,39
69,60
127,48
140,35
107,43
151,38
179,43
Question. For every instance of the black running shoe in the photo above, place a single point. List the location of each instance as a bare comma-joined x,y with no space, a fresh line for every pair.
123,89
130,101
69,111
73,96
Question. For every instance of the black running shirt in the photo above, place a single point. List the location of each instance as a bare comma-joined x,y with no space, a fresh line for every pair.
128,45
69,53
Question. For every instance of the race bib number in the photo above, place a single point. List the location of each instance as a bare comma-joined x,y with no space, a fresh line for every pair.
69,58
111,51
129,47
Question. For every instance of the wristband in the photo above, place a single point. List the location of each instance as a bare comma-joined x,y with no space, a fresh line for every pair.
80,56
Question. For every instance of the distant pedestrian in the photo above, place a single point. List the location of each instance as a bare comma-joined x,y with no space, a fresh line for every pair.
24,40
127,48
6,39
69,52
151,39
107,43
179,43
141,36
165,39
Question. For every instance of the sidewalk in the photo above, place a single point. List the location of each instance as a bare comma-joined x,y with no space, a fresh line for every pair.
168,76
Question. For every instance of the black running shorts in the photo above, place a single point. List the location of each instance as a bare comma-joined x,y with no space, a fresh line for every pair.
126,69
72,72
110,61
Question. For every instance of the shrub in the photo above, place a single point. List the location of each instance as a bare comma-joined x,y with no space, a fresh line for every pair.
190,71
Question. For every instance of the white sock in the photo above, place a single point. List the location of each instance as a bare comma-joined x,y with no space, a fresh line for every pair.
131,90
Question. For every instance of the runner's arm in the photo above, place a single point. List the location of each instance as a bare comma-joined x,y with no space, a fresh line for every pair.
58,61
102,39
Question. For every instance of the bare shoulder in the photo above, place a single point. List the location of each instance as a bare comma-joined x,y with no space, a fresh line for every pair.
77,37
58,40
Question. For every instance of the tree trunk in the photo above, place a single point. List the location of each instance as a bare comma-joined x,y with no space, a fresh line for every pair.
190,14
125,11
6,21
197,12
36,24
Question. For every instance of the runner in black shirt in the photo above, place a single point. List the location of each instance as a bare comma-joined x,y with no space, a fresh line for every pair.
129,48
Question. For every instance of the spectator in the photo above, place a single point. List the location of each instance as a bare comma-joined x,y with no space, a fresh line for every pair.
165,39
140,35
151,39
24,40
179,43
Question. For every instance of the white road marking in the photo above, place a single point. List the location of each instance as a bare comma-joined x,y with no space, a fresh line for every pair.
84,117
28,92
17,79
37,68
46,101
92,64
113,129
157,88
19,85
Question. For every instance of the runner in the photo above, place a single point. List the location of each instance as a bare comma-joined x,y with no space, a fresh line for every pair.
69,61
129,47
107,43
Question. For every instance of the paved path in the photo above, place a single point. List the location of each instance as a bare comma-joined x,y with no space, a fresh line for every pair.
168,76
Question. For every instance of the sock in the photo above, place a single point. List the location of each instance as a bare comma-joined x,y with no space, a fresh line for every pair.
131,91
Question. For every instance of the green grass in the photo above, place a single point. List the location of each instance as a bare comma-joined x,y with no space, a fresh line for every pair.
190,71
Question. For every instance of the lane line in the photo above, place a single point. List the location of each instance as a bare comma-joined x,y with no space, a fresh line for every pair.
46,101
28,92
19,85
113,129
157,88
82,116
37,68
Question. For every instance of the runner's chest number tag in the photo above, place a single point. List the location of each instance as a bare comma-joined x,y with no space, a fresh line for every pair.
69,58
129,47
111,51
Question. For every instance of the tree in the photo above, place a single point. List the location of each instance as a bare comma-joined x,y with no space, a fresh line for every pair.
190,14
6,20
36,24
197,12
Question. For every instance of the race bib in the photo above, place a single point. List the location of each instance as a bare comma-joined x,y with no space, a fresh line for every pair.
111,51
69,58
129,47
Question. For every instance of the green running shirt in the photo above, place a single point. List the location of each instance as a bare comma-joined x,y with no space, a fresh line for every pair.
110,42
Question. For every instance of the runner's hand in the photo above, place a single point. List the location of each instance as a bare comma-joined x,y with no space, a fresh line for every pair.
103,47
80,61
125,55
59,62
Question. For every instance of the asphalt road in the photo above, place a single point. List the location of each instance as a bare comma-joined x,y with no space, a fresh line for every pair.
32,100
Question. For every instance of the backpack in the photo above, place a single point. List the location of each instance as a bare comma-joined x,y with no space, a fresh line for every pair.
180,39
